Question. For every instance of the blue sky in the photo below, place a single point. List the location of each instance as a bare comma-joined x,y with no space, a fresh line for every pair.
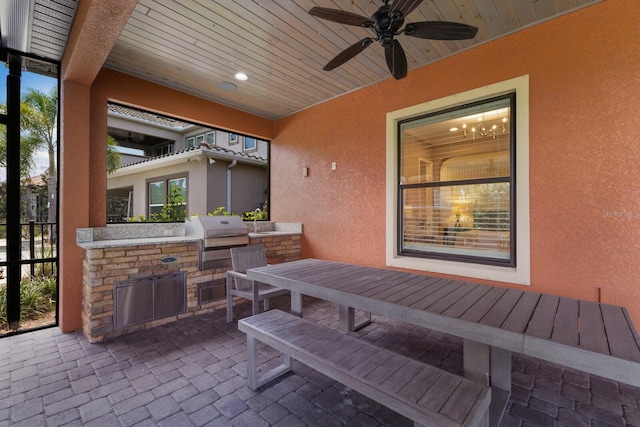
33,80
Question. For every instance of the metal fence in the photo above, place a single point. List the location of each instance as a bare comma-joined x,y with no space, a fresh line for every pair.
38,251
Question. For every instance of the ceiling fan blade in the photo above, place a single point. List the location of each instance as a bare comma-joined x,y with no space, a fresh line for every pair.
396,60
339,16
440,30
404,7
347,54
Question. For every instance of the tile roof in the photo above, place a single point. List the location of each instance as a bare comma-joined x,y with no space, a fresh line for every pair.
149,117
207,149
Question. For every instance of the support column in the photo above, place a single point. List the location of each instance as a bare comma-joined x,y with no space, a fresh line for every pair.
14,241
74,198
96,28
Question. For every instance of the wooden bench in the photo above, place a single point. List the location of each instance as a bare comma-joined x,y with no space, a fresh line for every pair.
427,395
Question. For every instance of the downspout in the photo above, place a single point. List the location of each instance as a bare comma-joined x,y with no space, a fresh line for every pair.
232,165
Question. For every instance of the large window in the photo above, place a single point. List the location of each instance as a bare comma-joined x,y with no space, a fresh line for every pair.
455,183
458,184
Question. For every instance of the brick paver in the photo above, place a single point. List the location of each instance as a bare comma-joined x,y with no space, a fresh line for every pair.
193,373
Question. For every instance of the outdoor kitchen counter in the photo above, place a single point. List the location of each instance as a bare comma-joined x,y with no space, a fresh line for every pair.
121,253
117,243
273,233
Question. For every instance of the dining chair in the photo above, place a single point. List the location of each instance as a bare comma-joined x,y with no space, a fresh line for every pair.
242,259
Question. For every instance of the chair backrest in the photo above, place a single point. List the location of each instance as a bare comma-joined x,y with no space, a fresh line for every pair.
246,257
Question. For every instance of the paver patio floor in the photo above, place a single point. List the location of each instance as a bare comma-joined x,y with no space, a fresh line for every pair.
193,373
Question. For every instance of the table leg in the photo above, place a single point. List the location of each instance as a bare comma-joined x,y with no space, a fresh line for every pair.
476,362
348,318
296,303
501,368
489,366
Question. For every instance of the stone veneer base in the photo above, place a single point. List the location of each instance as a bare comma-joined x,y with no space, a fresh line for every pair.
108,262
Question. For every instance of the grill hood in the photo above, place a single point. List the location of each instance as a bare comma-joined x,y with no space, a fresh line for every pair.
217,235
207,227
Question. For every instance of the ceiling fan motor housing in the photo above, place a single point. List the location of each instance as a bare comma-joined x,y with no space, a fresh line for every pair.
385,26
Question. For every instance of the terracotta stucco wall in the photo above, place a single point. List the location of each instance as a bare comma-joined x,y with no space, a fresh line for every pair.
584,151
584,183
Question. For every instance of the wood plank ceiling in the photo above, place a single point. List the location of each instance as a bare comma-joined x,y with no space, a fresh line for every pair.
196,46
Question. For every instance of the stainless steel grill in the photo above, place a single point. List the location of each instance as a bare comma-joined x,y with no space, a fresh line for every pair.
217,235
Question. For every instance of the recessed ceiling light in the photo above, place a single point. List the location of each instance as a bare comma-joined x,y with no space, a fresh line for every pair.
453,129
241,76
228,86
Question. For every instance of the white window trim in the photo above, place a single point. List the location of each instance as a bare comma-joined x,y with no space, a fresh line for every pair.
521,274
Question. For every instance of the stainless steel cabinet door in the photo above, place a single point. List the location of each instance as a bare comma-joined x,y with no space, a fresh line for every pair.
134,302
170,295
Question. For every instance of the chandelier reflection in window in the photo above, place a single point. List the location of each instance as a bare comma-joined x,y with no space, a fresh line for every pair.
483,128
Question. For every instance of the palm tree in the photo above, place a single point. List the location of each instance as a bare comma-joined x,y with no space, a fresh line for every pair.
39,118
27,148
113,155
39,113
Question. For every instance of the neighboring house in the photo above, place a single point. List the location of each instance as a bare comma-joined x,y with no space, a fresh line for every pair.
35,201
211,167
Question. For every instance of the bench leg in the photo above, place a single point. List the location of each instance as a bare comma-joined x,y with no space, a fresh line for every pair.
252,362
348,318
253,380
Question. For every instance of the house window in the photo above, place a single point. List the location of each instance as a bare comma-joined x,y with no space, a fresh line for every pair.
199,140
210,138
157,196
190,142
452,188
162,192
249,144
233,138
455,183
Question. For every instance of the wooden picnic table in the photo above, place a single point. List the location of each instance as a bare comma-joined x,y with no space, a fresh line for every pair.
493,321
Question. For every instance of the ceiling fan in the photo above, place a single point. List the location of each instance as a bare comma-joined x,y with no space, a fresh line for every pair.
386,23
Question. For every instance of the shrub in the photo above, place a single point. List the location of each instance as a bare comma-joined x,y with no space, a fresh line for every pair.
37,298
172,211
263,215
219,211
